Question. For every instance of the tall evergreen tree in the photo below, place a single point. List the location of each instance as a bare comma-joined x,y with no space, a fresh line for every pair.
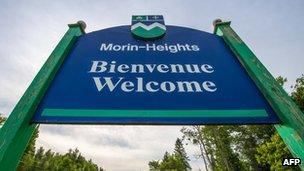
178,161
154,165
180,153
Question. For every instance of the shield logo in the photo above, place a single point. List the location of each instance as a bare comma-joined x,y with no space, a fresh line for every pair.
148,26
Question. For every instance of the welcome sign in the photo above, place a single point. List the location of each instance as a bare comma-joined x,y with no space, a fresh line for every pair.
186,76
155,68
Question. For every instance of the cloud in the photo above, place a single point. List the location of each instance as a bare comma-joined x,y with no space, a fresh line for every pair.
113,147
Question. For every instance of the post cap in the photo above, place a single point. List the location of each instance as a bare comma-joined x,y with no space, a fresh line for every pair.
216,21
80,24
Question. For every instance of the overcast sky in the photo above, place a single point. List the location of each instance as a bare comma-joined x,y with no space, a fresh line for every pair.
31,29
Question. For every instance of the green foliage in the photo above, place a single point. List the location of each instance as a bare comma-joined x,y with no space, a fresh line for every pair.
48,160
236,147
178,161
154,165
168,163
181,155
281,80
298,92
27,159
244,147
246,139
216,146
2,119
272,152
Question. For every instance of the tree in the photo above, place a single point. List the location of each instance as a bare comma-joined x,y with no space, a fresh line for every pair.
298,92
180,154
246,139
194,135
215,143
154,165
243,147
272,152
178,161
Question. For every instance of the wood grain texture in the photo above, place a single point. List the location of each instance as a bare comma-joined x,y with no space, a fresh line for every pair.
17,130
292,127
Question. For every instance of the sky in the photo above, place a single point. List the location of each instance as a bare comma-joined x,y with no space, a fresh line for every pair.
31,29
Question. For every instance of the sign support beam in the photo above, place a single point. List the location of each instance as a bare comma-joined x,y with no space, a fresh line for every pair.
292,127
17,130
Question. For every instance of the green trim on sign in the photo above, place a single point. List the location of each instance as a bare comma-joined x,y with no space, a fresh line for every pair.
153,113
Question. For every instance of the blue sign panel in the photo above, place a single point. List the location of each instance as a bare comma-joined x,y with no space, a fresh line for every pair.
185,77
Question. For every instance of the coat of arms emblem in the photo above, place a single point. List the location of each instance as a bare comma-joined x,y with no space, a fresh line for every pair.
148,26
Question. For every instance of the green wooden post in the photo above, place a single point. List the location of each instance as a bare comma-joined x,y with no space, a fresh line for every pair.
292,127
17,130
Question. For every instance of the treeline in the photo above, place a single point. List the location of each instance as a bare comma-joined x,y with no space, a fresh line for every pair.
238,147
46,160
